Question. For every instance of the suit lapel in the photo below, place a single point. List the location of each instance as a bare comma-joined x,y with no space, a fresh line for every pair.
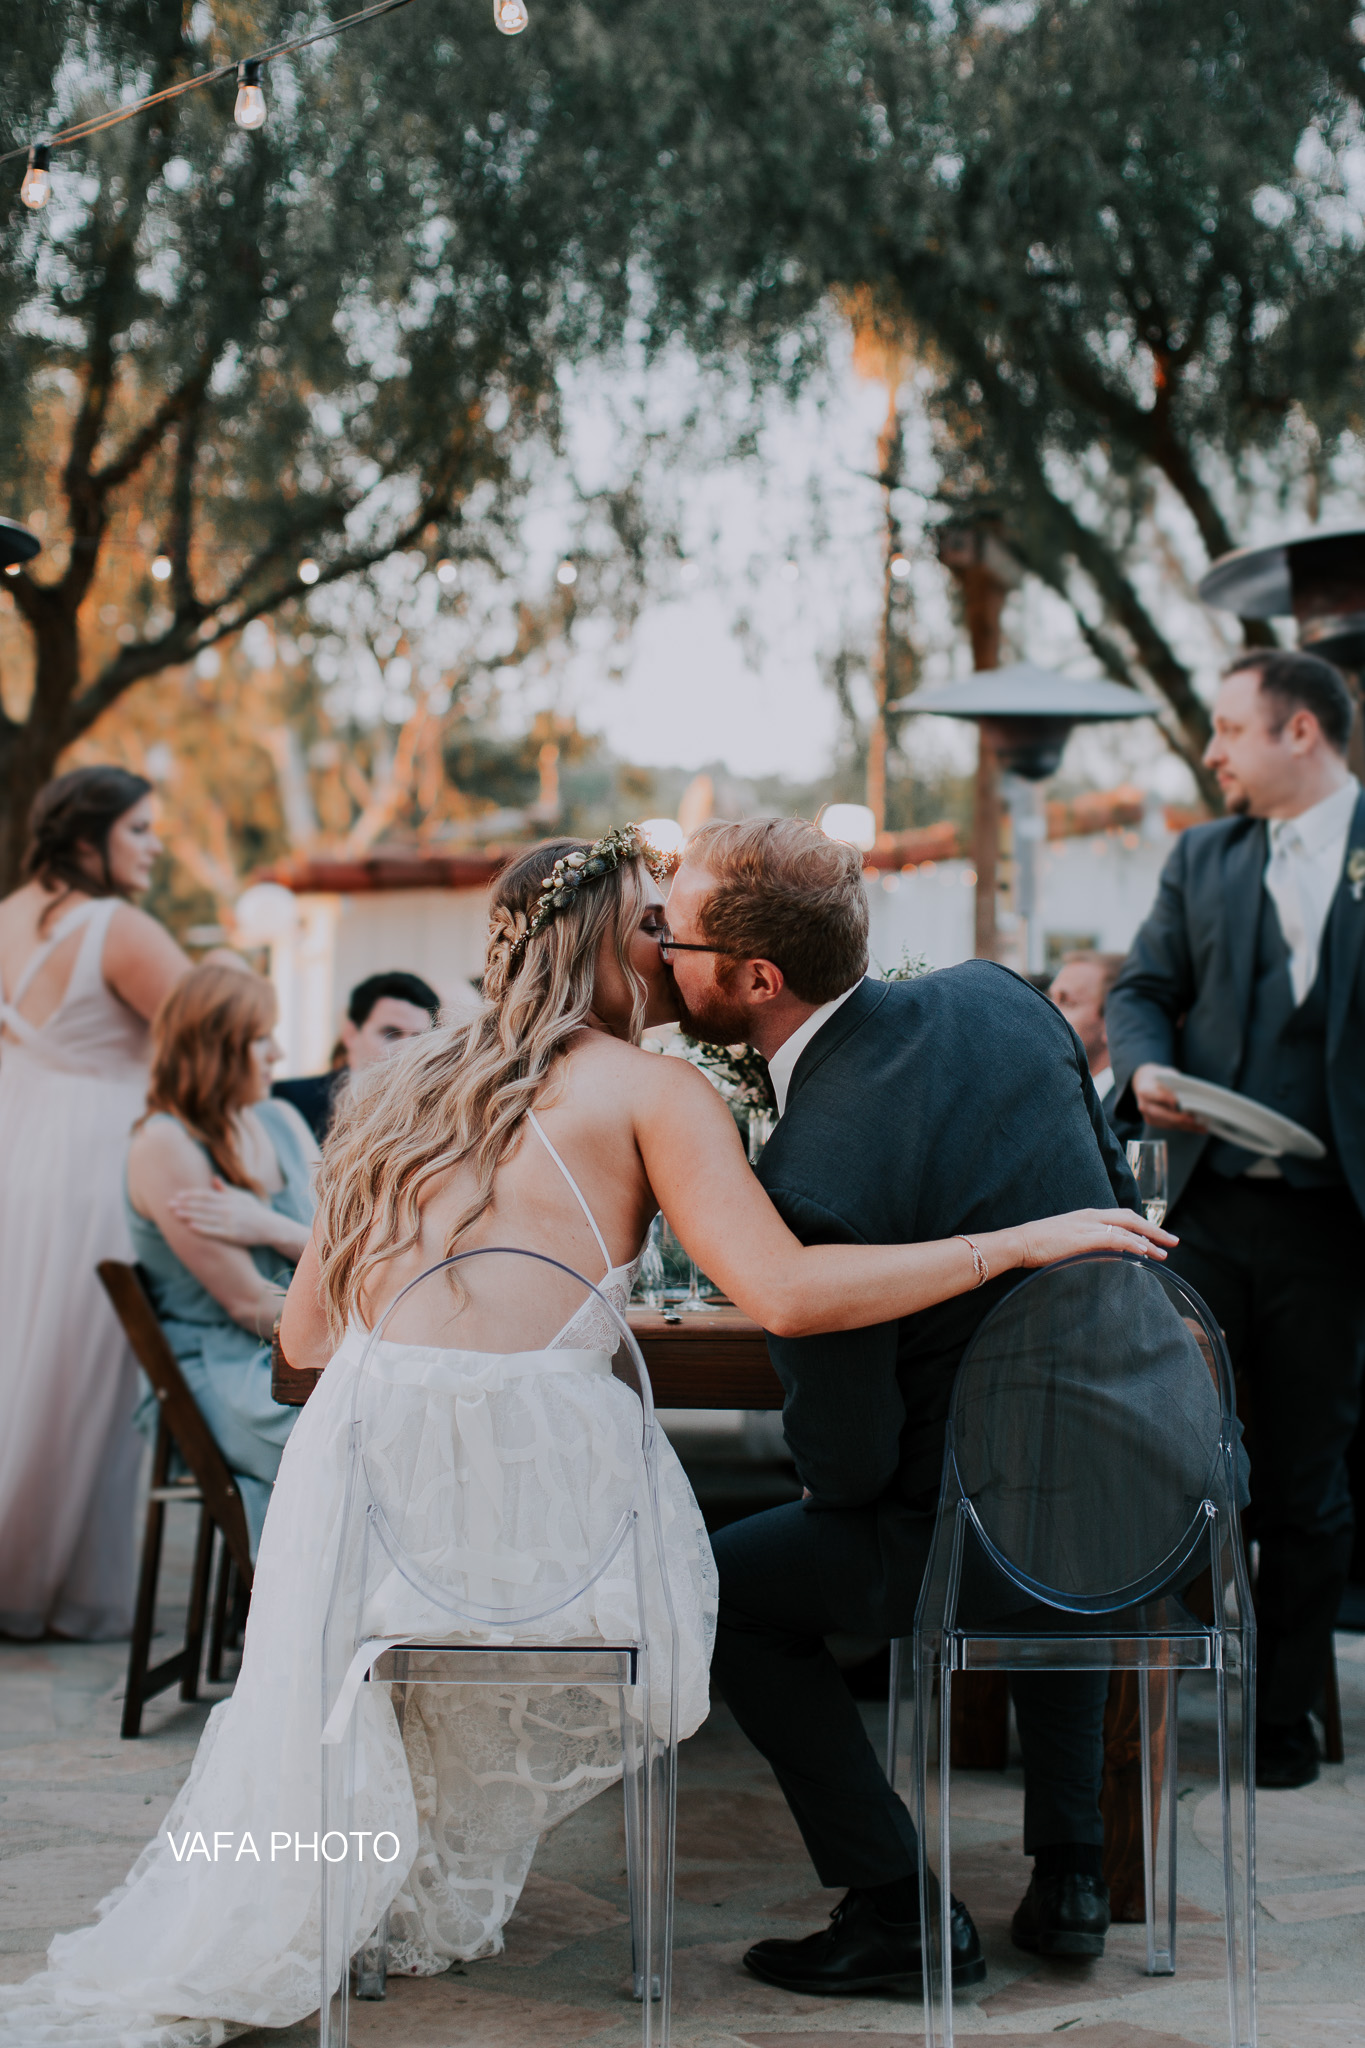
1345,934
1243,877
867,997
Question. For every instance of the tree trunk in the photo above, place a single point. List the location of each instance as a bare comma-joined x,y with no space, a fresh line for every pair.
29,751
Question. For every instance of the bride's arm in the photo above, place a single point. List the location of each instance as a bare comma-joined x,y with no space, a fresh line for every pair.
303,1326
712,1198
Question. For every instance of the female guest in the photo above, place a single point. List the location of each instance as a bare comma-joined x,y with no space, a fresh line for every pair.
81,971
220,1205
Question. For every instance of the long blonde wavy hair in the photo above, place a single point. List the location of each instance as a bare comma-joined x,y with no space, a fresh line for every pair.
463,1092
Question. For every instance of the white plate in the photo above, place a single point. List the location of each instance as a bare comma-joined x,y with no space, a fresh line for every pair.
1242,1121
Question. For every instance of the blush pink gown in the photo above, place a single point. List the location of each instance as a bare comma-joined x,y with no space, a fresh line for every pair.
70,1090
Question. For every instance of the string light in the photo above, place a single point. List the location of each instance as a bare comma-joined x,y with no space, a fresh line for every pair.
510,16
249,111
566,574
37,184
161,568
37,180
900,568
446,572
309,571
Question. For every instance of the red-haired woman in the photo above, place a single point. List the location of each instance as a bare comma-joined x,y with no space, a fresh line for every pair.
220,1205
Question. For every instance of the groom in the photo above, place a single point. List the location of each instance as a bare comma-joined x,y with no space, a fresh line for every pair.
908,1111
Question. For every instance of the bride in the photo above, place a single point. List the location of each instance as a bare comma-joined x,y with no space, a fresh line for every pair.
541,1123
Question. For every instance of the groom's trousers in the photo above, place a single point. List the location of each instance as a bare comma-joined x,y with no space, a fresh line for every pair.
795,1575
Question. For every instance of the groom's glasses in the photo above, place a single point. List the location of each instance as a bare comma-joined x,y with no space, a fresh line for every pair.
668,945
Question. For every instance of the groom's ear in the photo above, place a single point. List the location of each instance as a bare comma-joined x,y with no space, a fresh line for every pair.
761,981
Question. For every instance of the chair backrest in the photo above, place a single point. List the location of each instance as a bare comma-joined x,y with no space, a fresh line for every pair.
127,1290
1091,1432
477,1513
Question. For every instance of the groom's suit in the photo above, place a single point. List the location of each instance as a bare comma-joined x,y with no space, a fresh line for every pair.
958,1102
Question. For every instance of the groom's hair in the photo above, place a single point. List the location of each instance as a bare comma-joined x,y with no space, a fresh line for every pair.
786,893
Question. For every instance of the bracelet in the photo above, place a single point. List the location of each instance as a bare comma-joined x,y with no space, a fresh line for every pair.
979,1266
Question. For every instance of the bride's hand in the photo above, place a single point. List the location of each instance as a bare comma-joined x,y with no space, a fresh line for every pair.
232,1215
1091,1230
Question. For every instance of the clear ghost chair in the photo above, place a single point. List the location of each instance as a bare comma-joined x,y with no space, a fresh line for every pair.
1089,1481
500,1576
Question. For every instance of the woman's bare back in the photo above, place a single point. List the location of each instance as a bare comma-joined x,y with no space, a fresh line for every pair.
587,1113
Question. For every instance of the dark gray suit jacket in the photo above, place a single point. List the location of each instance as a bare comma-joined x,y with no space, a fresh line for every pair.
1184,996
958,1102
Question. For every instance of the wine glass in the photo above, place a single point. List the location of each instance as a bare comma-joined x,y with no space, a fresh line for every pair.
686,1299
1147,1158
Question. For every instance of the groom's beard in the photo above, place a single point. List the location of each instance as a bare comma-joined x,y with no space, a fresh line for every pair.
716,1020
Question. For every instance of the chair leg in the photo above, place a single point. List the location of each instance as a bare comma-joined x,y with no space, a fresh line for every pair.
144,1622
893,1712
634,1823
220,1601
371,1964
1156,1701
198,1608
1236,1682
1333,1744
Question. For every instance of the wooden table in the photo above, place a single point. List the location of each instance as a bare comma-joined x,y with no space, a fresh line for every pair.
716,1359
719,1359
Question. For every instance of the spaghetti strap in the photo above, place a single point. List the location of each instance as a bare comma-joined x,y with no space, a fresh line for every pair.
574,1188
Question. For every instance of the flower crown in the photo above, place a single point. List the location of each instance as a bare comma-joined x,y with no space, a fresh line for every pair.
573,870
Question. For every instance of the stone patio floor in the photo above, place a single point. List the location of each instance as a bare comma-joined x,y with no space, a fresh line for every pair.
76,1804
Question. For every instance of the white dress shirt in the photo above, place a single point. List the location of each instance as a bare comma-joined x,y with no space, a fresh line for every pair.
1301,876
784,1060
1102,1082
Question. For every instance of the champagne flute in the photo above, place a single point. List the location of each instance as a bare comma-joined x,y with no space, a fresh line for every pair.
1147,1158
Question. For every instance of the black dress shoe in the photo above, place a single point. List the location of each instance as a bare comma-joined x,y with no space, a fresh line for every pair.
1062,1916
859,1951
1287,1756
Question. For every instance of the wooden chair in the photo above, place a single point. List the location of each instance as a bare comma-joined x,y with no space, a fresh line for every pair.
209,1485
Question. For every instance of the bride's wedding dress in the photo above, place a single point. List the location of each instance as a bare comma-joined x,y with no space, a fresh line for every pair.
216,1927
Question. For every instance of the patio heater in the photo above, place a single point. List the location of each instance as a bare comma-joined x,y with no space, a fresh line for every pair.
1025,715
17,544
1319,581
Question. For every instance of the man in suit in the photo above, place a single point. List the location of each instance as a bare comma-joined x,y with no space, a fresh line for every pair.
1250,971
908,1110
382,1014
1080,989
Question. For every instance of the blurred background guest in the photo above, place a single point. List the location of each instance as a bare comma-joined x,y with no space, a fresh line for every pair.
81,971
1250,971
220,1202
1080,989
382,1014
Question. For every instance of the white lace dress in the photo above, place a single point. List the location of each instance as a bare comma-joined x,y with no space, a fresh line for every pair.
526,1454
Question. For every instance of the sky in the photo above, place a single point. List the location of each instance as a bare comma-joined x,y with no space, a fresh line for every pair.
781,563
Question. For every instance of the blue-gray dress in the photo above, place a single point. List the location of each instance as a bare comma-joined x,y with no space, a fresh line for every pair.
227,1369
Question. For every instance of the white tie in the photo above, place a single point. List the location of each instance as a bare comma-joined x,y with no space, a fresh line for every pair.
1287,877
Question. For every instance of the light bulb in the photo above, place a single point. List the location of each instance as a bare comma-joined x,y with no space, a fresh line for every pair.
566,574
249,111
161,568
510,16
900,568
309,571
37,184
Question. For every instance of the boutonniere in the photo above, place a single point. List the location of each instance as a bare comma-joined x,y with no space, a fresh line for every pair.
1355,872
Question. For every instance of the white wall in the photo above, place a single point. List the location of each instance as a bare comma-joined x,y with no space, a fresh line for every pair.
340,940
1096,889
